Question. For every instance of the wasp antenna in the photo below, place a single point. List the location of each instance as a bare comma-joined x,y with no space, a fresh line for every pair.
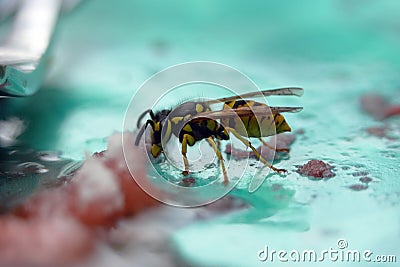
140,134
152,114
142,116
142,129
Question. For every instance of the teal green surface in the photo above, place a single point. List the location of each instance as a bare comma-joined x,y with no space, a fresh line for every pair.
336,50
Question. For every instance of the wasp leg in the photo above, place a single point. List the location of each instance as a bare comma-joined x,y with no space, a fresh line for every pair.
273,148
221,159
248,144
218,143
184,150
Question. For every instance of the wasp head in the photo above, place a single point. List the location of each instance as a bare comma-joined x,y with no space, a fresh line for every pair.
156,122
221,133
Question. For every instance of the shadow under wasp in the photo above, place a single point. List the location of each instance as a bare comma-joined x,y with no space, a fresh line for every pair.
193,121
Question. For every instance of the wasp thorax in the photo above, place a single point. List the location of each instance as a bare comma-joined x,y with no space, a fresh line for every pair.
222,133
202,128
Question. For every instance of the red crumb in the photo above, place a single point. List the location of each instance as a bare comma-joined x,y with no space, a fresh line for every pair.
391,111
101,192
59,224
236,153
358,187
135,199
317,169
187,182
43,241
378,107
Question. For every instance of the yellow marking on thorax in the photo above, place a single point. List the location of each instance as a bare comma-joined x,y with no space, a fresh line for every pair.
211,125
157,127
187,128
176,120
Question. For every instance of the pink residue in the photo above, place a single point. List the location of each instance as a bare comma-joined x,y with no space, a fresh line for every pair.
358,187
43,241
317,169
102,190
59,225
378,107
283,141
391,111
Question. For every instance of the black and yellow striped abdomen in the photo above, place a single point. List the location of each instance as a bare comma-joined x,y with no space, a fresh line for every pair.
255,126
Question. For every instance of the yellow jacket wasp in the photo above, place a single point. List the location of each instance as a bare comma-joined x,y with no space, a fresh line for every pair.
194,120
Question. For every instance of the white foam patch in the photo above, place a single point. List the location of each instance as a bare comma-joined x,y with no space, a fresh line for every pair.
98,182
130,153
9,131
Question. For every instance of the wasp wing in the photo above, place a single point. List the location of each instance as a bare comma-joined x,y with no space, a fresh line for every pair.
295,91
246,111
285,109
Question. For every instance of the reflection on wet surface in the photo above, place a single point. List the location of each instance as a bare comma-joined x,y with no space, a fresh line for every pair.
24,171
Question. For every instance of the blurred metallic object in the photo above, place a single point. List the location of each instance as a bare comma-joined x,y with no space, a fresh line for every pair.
25,52
7,8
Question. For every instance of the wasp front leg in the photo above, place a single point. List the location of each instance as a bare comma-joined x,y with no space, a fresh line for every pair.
184,151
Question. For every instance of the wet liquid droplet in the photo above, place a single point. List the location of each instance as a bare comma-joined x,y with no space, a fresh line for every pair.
49,156
69,171
24,171
31,168
210,165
